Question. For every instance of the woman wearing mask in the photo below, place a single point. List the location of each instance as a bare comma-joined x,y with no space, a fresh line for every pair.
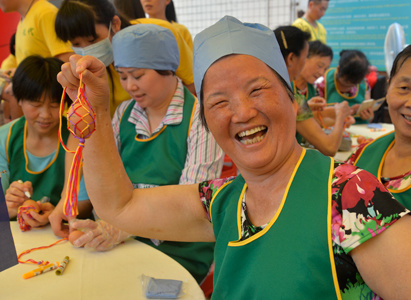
90,25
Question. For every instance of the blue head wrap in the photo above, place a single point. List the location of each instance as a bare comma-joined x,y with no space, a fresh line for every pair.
230,36
146,46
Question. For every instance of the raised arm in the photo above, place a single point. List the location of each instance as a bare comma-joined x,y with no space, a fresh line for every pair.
168,213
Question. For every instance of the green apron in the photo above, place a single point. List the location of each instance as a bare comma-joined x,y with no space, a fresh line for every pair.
332,95
48,182
292,257
159,161
372,159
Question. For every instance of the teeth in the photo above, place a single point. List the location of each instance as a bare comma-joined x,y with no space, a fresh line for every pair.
253,141
251,131
408,118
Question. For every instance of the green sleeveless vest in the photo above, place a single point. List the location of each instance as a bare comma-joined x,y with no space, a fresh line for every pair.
332,95
50,181
160,161
302,103
372,159
292,257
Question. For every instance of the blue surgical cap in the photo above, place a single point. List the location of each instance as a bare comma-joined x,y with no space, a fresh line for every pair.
230,36
146,46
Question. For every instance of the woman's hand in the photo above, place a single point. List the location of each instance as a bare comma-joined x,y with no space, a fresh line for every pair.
99,235
40,218
16,195
94,78
317,103
367,114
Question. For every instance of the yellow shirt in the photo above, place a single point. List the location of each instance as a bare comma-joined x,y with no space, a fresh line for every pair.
9,63
184,33
119,94
185,69
36,34
318,33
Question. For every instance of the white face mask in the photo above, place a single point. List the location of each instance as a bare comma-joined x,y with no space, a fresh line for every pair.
102,50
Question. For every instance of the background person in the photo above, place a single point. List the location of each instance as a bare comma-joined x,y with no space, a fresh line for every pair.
159,135
347,83
389,157
89,25
30,151
309,21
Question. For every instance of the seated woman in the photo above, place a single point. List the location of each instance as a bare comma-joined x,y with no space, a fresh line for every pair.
293,44
347,83
159,135
259,220
389,157
90,25
30,151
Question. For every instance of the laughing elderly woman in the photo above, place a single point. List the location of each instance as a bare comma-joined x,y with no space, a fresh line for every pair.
276,236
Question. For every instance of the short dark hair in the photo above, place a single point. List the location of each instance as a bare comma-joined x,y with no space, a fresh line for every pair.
78,18
12,45
317,48
37,76
353,65
129,9
399,61
294,37
282,81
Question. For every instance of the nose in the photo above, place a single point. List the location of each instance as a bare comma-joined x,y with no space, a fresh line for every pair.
244,110
131,84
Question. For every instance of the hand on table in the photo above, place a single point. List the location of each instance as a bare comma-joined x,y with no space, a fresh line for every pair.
99,235
57,219
39,218
15,196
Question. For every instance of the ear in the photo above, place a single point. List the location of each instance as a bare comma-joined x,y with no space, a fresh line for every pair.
289,60
115,25
167,2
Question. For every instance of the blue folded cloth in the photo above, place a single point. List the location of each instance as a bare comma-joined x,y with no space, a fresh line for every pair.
163,288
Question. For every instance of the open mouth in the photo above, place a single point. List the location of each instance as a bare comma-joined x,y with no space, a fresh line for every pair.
252,136
408,118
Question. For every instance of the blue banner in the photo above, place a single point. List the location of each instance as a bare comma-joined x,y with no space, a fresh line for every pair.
363,25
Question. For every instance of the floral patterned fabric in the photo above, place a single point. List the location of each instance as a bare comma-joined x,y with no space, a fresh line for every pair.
361,209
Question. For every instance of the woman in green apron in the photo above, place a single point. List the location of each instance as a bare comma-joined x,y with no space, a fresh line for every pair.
293,225
389,157
347,83
318,60
159,134
30,152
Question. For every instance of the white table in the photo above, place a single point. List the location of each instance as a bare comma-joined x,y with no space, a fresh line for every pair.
114,274
362,129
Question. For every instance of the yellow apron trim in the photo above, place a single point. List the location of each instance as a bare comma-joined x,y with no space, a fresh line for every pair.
277,214
7,143
380,171
26,158
212,199
192,116
152,137
338,91
329,233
